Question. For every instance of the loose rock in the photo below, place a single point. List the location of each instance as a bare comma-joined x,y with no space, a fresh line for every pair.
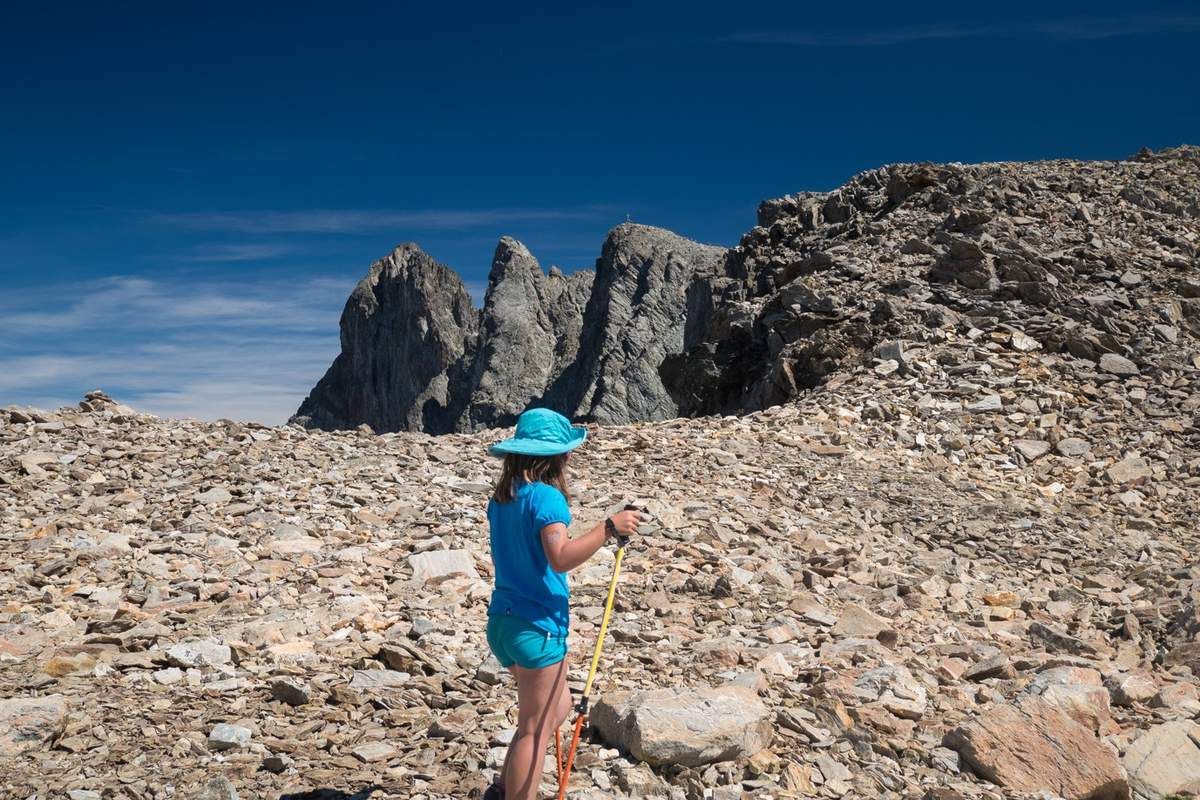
684,727
1035,747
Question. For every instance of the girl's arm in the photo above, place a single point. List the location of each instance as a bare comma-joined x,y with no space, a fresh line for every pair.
565,553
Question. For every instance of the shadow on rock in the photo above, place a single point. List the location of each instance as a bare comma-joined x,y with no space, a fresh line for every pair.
331,794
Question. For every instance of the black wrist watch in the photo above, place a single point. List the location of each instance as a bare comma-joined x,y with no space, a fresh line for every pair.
610,529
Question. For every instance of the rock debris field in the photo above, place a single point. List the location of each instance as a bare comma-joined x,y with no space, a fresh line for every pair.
952,555
822,605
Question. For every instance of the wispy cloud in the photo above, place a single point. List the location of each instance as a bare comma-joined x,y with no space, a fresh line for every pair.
367,220
226,253
142,304
246,350
1074,28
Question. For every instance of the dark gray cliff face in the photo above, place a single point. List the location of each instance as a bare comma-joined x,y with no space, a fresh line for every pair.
635,317
407,328
529,322
416,355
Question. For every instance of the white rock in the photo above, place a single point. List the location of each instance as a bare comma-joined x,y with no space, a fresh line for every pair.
224,736
441,564
215,496
199,653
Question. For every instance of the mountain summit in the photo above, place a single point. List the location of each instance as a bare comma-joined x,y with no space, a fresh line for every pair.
417,356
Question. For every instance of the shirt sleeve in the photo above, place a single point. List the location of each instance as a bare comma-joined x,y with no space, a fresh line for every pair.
549,506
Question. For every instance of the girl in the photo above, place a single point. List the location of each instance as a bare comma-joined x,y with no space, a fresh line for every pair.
531,553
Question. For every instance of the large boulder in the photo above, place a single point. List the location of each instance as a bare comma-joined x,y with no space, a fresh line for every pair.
27,723
1165,760
1035,746
681,726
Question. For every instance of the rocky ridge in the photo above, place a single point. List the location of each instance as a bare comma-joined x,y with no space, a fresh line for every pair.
417,356
1099,260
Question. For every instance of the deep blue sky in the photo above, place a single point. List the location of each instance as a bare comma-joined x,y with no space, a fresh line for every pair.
187,194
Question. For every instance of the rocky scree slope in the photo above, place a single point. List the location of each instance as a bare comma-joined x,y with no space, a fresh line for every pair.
417,356
893,590
1098,260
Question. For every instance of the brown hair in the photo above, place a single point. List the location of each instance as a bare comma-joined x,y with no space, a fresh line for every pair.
547,469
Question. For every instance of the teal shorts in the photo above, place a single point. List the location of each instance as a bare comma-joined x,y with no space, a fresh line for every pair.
518,641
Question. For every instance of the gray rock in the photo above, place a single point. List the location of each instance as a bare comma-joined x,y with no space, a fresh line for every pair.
1031,449
224,736
438,565
374,679
1118,365
291,691
29,723
1129,470
277,763
408,333
1056,640
529,334
1135,687
1072,447
373,751
199,653
991,402
992,667
214,497
218,787
1165,761
857,622
688,727
1076,691
895,689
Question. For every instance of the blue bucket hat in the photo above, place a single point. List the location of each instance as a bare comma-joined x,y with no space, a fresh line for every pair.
541,432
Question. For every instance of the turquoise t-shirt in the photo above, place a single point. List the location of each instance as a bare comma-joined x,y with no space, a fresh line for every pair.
525,583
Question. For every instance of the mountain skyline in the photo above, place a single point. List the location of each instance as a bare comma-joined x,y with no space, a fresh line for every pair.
190,198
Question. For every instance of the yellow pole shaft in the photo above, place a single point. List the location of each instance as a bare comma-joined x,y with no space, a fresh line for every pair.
608,607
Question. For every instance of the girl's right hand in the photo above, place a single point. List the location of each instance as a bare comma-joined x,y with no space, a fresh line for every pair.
627,521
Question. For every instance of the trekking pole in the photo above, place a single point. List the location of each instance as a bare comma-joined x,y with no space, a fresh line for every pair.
564,775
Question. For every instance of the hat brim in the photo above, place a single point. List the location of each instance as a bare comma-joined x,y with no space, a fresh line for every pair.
537,447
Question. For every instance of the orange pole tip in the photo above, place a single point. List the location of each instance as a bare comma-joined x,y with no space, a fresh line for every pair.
565,778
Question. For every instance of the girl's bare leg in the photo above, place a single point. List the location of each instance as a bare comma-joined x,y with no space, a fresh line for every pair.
543,703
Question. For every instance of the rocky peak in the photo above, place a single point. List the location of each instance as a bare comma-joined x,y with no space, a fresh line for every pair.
588,344
635,317
515,355
407,326
512,261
